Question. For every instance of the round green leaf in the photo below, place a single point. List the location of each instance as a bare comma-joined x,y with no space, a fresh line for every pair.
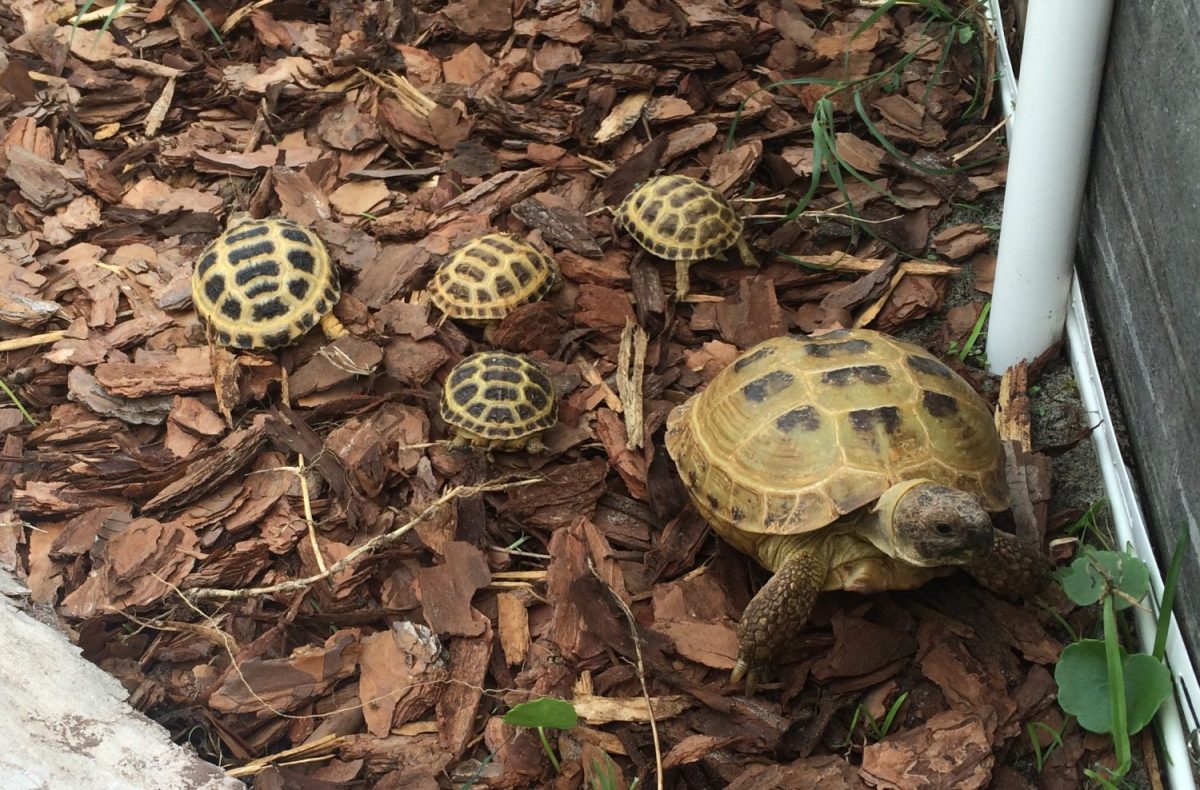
1147,685
543,712
1088,576
1081,583
1132,578
1083,690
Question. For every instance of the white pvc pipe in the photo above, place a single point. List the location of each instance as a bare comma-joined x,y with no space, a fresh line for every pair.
1049,141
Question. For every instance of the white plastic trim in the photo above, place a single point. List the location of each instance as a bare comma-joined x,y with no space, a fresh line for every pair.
1131,532
1128,523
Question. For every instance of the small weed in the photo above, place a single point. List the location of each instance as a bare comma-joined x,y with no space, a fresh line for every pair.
880,729
542,713
960,30
12,396
970,347
605,777
1088,525
1040,756
1106,688
872,728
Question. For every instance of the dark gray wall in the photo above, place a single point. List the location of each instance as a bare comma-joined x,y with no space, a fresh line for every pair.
1140,263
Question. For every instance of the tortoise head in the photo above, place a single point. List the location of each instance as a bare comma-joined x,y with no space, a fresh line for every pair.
930,524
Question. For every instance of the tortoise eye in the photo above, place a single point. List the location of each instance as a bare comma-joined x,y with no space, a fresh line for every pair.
942,528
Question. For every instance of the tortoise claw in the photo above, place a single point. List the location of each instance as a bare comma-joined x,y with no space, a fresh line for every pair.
753,674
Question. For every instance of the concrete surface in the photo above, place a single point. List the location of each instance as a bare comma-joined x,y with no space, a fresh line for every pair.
64,722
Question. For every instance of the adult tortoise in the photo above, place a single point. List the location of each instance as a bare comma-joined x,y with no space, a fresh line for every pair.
850,460
264,283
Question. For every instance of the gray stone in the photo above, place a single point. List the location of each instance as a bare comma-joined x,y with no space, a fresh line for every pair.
64,722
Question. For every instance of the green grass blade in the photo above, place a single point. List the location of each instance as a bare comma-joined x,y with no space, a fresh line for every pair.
976,330
1168,596
872,19
819,158
1116,688
12,396
215,33
87,4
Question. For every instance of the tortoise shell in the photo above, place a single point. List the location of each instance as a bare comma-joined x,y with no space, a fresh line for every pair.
496,399
488,277
679,218
263,283
799,431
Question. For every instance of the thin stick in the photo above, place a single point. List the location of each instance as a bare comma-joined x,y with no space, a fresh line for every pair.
202,593
33,340
631,367
641,673
966,151
308,516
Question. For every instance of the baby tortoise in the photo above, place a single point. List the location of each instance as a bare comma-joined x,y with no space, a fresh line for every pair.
682,219
495,400
263,283
489,277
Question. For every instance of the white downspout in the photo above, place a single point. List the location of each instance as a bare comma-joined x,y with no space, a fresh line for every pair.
1013,332
1049,142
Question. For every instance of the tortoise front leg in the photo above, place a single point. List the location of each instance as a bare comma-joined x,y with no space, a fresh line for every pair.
775,616
1014,566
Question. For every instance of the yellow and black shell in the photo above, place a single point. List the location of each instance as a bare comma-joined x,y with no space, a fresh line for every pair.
498,400
680,218
263,283
800,431
485,279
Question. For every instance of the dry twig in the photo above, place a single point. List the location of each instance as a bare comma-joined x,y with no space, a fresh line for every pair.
631,365
641,673
203,593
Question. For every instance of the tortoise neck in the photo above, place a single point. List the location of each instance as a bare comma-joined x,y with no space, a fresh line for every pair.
875,524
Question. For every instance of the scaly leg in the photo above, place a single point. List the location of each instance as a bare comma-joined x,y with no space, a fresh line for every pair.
775,615
682,280
747,254
332,327
1014,567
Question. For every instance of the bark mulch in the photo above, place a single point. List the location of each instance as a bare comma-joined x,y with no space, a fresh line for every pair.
278,555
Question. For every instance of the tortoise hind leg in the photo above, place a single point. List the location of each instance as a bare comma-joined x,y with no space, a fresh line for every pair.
747,254
774,617
1014,566
332,327
682,278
